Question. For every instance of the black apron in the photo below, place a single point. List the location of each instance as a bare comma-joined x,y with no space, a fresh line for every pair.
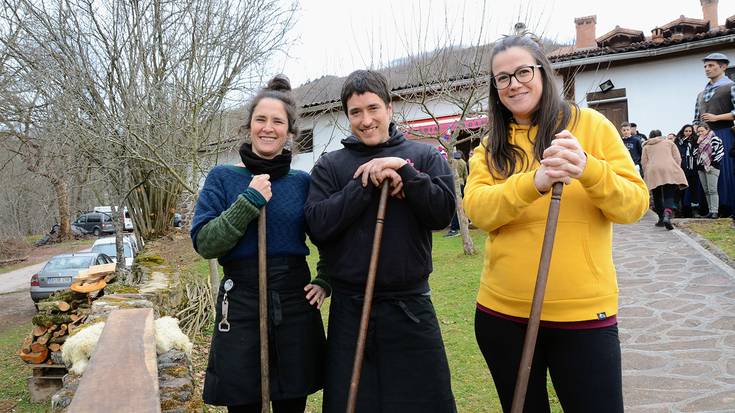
295,336
405,367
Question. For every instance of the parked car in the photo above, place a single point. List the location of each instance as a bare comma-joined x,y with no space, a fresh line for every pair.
133,242
96,223
60,270
128,226
106,246
177,220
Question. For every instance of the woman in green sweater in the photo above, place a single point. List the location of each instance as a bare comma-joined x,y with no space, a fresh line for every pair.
225,227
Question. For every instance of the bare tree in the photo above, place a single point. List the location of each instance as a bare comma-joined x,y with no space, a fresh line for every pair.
140,87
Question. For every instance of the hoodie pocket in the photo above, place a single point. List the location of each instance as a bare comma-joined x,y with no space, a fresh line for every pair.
515,254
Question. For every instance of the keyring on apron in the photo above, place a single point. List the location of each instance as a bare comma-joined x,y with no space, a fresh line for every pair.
224,325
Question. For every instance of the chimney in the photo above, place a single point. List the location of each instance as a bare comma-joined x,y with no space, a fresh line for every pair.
586,32
520,29
709,13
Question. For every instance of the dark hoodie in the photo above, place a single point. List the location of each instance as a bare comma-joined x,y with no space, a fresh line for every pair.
341,215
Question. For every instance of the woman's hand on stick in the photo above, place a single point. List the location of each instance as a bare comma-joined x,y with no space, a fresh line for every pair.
262,184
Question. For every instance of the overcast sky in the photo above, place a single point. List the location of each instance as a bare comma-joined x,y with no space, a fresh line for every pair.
338,36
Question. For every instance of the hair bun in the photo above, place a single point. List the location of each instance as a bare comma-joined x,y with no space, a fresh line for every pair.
280,83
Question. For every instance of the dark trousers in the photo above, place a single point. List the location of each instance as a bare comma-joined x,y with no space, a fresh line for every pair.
297,405
664,196
584,365
405,369
689,195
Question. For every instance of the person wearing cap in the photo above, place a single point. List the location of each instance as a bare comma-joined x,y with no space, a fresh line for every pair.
716,107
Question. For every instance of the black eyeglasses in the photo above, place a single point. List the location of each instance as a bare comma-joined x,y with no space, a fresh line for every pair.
523,74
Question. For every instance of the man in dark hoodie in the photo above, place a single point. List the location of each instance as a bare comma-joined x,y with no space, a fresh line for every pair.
405,367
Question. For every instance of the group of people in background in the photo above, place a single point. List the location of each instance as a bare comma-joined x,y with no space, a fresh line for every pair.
692,171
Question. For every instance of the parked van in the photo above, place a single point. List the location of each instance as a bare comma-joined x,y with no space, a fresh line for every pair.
97,223
108,210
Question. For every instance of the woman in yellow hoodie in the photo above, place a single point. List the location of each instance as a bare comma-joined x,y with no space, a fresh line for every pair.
535,140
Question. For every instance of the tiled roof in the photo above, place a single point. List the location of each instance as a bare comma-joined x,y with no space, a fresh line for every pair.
619,31
439,66
684,20
444,65
646,44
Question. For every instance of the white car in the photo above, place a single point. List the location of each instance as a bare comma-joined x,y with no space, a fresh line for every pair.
106,245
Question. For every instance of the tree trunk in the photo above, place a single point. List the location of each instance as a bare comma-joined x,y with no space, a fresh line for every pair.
464,223
62,201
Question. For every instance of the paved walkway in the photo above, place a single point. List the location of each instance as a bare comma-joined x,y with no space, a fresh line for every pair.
677,322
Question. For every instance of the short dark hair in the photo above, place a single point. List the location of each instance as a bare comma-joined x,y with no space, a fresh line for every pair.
625,125
633,125
278,88
654,133
362,81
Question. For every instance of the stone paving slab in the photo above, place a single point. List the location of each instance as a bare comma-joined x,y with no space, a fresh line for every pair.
676,321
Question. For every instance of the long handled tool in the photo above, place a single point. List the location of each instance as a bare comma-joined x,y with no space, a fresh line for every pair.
368,303
263,310
529,344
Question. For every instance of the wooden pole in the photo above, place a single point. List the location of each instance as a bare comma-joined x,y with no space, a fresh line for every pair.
214,278
368,302
529,343
263,310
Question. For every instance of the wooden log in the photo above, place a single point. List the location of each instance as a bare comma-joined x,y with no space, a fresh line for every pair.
74,317
60,339
39,331
57,305
37,347
45,319
35,357
44,338
54,347
26,347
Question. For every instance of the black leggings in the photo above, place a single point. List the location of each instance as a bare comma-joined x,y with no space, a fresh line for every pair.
279,406
584,365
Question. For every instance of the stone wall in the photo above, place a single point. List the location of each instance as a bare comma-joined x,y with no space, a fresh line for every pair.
174,366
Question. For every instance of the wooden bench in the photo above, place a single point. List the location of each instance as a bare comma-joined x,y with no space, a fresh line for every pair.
122,375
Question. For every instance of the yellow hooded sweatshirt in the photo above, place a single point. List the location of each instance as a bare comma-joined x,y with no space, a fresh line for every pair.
582,282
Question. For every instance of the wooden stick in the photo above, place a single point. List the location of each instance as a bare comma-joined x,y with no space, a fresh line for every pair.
367,304
263,306
529,343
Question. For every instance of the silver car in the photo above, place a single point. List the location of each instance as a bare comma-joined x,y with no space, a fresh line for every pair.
60,270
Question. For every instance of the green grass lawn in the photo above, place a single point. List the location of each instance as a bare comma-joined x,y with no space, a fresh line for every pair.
13,374
717,231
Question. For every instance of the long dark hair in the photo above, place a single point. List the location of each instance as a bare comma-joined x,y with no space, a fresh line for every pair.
551,116
681,136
